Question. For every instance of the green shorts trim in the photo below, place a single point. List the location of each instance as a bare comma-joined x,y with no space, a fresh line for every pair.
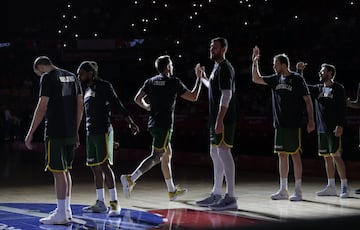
287,140
161,138
99,148
226,137
59,154
329,144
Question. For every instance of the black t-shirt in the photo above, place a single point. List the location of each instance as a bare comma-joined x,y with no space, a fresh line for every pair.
330,106
162,92
62,87
287,99
222,78
99,99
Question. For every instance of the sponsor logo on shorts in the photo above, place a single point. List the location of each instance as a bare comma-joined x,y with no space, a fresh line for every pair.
90,159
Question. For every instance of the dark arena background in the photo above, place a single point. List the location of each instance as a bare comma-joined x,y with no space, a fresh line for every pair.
124,38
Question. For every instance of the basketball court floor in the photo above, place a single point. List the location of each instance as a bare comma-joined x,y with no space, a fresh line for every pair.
27,194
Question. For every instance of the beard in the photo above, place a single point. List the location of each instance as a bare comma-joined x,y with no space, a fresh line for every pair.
215,57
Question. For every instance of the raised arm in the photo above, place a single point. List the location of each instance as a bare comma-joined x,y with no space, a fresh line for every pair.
193,95
256,76
200,73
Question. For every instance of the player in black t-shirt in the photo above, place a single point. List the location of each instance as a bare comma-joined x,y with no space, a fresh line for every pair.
330,107
289,92
222,122
355,104
99,100
158,96
61,104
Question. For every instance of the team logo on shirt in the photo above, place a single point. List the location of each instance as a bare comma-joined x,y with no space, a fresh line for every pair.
159,83
326,92
66,79
283,86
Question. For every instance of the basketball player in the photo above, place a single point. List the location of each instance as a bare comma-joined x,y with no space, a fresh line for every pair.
289,94
330,108
99,98
222,119
158,96
61,104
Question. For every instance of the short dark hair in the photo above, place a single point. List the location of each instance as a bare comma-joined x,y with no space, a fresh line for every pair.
283,59
162,62
223,41
330,68
42,60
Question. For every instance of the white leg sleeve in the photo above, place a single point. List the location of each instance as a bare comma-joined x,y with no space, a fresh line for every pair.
218,170
229,168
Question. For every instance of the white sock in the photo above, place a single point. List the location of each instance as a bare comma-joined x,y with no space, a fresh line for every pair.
218,170
284,183
113,194
344,183
61,206
67,203
229,169
170,185
136,175
331,182
298,185
100,194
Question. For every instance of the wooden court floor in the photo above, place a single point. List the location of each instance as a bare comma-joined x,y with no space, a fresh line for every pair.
253,190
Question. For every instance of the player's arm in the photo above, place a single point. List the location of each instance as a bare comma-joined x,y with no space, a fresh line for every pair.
256,76
139,99
200,73
80,110
39,114
115,100
310,113
354,104
79,115
193,95
132,125
226,95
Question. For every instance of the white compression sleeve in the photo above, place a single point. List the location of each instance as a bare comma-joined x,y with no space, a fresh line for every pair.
226,95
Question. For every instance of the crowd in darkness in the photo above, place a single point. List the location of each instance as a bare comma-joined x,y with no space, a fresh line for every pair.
311,31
